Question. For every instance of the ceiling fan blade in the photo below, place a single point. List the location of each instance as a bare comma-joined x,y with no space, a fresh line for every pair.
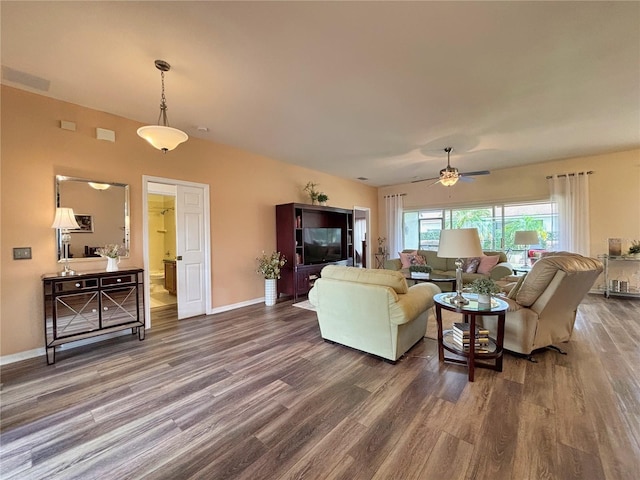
466,179
425,180
475,174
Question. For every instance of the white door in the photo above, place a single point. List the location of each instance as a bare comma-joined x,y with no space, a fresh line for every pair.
190,254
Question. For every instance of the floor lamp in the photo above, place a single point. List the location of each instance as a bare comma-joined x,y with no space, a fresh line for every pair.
526,238
63,221
459,243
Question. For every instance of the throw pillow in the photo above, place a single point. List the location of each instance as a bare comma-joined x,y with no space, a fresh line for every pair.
470,265
487,263
516,288
411,258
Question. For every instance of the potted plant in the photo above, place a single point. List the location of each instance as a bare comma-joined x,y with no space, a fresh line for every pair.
485,288
310,188
634,249
322,198
269,267
420,271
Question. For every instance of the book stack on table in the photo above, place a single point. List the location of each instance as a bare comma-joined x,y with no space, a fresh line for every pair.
462,338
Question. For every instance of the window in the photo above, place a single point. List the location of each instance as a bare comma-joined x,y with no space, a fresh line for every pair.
496,225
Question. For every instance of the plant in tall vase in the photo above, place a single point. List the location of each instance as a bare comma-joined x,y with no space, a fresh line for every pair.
310,188
269,267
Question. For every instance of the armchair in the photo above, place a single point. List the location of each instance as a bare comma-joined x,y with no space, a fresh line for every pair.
543,308
371,310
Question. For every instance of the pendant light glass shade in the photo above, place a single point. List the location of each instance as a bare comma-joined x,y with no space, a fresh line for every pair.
162,136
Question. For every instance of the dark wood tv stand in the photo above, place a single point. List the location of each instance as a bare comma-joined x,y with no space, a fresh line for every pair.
297,277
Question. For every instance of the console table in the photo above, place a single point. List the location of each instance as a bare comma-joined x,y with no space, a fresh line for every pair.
91,304
469,313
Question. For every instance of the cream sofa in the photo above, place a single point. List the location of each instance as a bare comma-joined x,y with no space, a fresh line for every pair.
371,310
447,266
543,307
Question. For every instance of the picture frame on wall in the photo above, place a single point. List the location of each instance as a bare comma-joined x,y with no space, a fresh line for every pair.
85,222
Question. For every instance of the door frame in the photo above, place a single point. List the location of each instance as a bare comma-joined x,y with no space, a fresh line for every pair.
146,179
367,215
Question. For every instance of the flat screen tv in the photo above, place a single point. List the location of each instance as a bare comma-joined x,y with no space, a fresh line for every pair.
322,245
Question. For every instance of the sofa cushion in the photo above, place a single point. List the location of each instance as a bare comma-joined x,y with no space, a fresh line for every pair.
487,262
411,258
470,265
433,260
370,276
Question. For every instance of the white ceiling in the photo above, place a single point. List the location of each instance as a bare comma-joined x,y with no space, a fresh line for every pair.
354,89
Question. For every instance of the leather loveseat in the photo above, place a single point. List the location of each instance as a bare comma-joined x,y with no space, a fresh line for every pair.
374,311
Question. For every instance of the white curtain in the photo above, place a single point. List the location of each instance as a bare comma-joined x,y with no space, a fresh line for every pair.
570,196
393,207
359,234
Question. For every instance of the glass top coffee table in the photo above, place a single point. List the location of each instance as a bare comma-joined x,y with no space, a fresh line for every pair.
433,279
470,356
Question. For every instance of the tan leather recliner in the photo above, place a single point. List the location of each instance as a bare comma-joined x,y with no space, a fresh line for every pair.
543,310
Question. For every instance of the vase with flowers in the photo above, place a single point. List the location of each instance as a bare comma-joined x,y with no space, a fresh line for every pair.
112,253
269,267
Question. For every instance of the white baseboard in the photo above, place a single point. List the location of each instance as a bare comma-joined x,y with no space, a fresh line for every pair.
16,357
234,306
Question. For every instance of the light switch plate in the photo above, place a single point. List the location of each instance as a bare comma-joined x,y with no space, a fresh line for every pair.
22,253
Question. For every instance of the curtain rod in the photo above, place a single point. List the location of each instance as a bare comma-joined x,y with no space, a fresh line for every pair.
401,194
571,174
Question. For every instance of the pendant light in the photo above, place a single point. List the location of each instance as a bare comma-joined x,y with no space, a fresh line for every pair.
162,136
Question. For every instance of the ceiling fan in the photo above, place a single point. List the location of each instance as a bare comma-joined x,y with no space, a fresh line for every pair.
449,176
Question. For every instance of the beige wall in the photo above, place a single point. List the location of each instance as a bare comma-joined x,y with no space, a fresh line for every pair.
244,187
614,192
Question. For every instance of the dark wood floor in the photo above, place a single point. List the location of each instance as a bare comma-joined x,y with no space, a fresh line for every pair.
256,394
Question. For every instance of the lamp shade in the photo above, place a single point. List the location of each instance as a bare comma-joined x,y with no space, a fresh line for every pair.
64,219
526,237
163,138
459,243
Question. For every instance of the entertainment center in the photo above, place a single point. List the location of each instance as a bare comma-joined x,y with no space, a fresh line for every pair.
311,237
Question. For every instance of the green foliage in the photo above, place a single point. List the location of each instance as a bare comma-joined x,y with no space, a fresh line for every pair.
484,286
635,247
269,265
420,268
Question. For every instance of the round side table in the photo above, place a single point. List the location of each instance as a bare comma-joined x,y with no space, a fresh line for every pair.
469,312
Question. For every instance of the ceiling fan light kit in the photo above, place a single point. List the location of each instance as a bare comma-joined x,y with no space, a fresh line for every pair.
449,175
162,136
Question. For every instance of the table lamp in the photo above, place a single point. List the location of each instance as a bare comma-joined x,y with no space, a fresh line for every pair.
526,238
63,221
459,243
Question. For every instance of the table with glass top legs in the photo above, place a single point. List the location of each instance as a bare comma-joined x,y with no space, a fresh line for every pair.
469,312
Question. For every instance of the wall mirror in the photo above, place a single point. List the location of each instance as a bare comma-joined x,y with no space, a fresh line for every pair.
102,212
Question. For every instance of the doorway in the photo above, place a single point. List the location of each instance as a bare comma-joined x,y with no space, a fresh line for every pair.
361,227
176,245
161,230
